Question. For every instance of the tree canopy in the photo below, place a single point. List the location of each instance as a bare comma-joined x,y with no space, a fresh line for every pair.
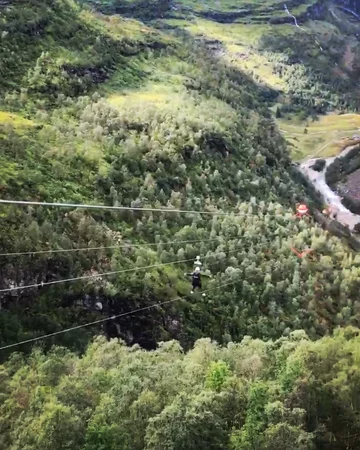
281,394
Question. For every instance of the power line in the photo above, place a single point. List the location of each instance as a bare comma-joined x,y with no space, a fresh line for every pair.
112,208
86,249
95,322
98,275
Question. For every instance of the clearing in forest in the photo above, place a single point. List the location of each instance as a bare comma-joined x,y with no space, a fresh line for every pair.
12,121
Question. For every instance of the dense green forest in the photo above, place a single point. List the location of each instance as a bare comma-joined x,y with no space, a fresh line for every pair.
287,394
107,110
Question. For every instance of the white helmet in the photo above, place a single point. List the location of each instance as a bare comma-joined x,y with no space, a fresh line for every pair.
197,262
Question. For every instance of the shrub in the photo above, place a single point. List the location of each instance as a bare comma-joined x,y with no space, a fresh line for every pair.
319,165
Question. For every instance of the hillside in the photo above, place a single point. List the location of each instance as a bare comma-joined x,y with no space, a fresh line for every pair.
124,114
311,68
178,122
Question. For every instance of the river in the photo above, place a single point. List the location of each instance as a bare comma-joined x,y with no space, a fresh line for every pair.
345,216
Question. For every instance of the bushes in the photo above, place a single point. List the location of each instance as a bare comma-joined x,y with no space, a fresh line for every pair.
351,203
333,172
357,228
53,47
319,165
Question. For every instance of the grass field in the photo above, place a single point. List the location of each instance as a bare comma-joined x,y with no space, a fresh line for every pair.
151,93
325,137
13,122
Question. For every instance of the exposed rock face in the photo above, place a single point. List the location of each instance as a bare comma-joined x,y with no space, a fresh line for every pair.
318,11
97,75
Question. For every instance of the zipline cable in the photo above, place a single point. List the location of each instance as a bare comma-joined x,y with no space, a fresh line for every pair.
116,316
127,208
87,249
112,208
86,277
100,275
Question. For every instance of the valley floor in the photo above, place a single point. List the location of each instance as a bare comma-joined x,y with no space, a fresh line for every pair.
325,137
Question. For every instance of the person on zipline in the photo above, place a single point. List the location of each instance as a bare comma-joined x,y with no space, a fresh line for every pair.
196,280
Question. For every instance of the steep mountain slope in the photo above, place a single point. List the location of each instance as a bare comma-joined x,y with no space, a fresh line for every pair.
308,54
304,62
107,110
174,114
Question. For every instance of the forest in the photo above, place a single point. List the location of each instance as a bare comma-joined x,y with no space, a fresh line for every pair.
285,394
106,110
213,147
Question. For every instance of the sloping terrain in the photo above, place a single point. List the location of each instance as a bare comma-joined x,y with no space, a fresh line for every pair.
307,59
184,112
120,113
225,11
